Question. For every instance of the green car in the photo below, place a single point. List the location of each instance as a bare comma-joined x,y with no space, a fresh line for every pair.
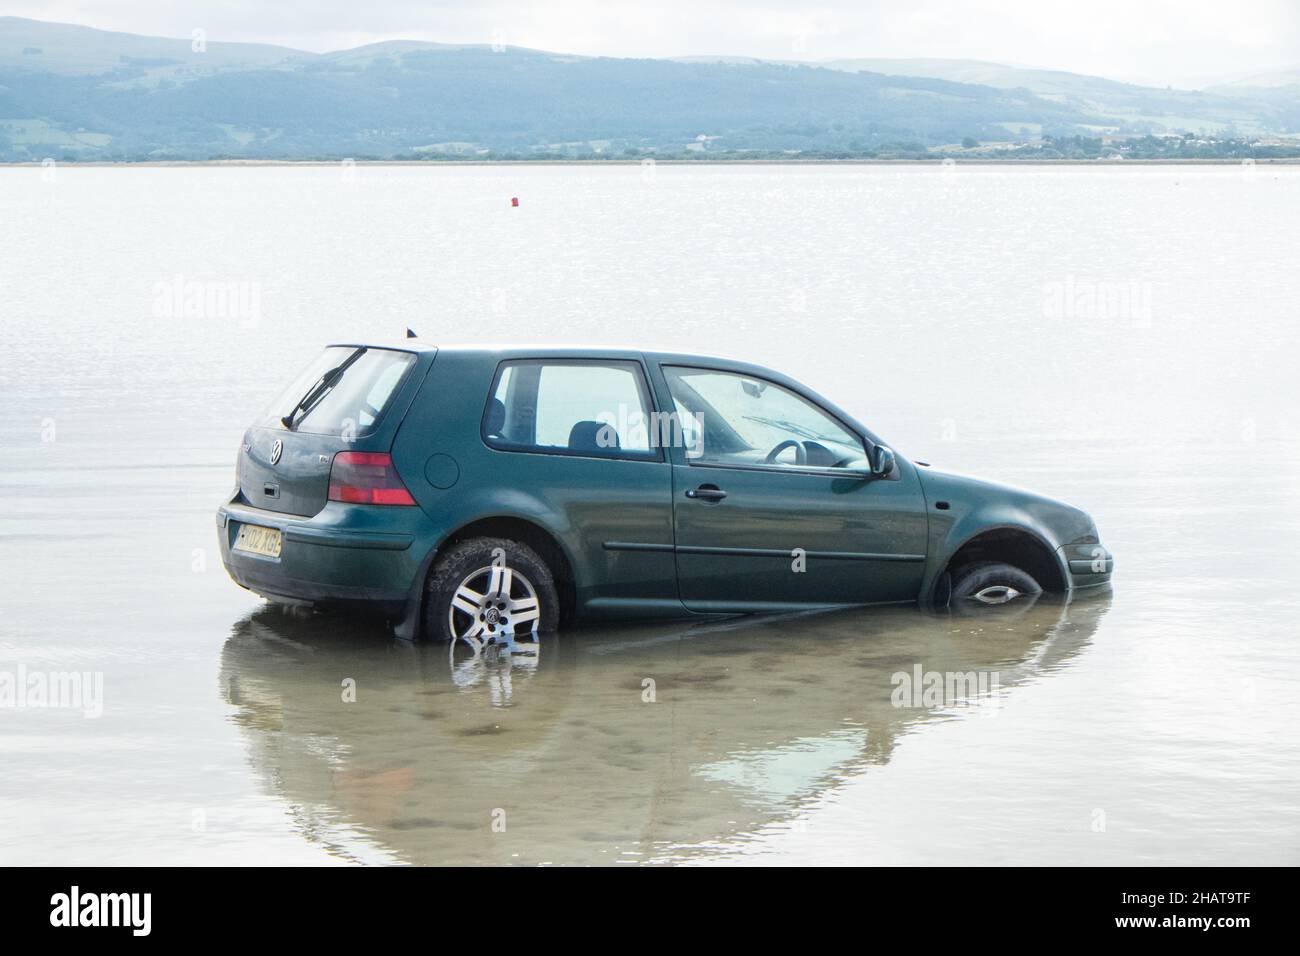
473,493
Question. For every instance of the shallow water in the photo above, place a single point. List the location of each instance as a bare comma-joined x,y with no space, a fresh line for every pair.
1121,338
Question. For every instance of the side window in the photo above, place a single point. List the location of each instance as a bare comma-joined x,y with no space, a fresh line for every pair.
570,407
748,421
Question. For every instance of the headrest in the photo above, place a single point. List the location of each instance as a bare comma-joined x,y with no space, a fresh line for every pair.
593,436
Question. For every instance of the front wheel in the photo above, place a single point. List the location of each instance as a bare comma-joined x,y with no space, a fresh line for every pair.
489,589
992,584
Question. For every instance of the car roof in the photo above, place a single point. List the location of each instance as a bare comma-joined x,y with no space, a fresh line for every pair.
506,350
404,345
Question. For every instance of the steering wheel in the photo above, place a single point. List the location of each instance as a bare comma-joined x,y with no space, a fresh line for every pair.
800,455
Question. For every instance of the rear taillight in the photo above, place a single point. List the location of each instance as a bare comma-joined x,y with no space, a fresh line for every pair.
367,478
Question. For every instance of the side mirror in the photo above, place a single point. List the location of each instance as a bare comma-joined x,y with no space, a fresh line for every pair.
882,461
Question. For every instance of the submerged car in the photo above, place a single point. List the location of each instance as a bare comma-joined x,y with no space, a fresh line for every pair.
481,492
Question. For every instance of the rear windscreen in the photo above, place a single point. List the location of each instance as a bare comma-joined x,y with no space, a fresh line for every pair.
353,403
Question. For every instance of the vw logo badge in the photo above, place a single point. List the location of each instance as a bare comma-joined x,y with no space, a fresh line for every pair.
276,451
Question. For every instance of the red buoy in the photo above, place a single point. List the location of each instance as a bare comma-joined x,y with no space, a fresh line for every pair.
514,200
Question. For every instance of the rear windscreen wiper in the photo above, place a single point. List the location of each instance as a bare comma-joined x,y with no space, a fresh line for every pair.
323,385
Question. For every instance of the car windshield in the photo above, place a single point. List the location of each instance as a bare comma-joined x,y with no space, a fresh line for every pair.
354,402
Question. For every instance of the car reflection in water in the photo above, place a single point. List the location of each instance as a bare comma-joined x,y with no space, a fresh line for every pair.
634,744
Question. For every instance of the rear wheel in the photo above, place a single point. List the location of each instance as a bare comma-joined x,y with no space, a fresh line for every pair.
489,589
992,584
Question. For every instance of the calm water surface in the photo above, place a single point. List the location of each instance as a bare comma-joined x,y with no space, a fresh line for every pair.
1121,338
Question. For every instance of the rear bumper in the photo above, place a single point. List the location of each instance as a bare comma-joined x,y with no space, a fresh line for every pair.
1090,564
347,554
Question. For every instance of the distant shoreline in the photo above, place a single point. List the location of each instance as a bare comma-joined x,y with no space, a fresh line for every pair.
793,161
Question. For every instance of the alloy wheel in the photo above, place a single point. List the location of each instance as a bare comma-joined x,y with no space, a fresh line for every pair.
493,603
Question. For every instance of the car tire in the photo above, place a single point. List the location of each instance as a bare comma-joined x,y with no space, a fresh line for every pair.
467,568
992,584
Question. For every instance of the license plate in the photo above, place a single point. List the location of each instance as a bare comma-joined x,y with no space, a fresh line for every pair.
258,540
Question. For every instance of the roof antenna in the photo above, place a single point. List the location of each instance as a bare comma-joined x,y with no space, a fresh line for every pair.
410,334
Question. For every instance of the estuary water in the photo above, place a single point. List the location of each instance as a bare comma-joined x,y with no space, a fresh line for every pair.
1124,338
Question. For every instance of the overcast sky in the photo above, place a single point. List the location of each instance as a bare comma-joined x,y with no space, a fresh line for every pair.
1175,42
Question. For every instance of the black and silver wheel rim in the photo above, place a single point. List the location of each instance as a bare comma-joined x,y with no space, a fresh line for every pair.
996,594
493,603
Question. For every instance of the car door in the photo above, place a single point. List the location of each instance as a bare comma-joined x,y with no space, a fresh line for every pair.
774,504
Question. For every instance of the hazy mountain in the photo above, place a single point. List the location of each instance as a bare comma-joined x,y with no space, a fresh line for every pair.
1278,80
1247,106
33,45
958,71
76,93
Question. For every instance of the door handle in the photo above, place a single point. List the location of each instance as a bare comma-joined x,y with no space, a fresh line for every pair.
707,493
